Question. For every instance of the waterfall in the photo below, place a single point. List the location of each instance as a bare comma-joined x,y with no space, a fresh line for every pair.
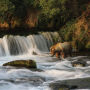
2,49
19,45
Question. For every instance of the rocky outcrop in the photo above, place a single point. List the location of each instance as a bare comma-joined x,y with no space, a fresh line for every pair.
79,83
22,63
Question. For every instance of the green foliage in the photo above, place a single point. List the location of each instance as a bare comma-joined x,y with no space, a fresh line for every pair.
67,32
20,8
88,45
59,11
6,5
15,8
48,8
56,12
42,21
6,9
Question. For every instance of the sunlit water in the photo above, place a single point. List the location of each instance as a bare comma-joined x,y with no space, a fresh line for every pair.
53,69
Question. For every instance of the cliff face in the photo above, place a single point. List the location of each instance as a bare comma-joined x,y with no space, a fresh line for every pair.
78,31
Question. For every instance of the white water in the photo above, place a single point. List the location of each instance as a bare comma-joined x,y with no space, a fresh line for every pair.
19,47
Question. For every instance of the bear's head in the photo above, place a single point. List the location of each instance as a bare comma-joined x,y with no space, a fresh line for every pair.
52,50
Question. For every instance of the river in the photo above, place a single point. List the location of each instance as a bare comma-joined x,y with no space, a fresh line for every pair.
35,47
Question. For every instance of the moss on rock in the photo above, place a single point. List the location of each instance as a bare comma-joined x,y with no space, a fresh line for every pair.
22,63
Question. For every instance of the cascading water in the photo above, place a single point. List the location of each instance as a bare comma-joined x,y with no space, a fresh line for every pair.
2,49
19,45
35,47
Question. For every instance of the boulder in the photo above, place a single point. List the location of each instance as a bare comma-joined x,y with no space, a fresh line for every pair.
22,63
34,53
71,84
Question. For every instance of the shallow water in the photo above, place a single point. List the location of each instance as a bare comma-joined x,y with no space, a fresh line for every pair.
52,70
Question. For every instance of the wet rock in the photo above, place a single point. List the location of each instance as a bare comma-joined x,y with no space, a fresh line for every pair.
80,63
79,83
61,87
34,53
22,63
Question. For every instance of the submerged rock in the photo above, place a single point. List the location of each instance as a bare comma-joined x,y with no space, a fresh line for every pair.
63,87
22,63
34,53
80,63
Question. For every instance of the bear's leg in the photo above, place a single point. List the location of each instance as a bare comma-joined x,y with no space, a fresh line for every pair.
62,55
70,53
57,54
53,53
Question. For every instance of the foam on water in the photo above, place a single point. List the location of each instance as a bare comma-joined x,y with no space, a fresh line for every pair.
22,48
52,71
10,86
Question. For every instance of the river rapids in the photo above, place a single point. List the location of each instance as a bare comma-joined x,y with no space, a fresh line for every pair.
52,69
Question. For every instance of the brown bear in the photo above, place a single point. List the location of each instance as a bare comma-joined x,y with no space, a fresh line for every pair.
61,49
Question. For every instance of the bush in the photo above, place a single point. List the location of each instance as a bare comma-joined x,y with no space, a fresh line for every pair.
88,45
67,32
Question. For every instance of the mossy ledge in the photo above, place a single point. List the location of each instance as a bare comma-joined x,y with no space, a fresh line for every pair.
30,64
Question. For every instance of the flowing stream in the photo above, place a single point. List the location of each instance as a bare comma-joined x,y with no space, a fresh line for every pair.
35,47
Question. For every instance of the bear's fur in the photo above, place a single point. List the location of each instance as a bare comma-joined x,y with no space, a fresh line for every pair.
61,49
